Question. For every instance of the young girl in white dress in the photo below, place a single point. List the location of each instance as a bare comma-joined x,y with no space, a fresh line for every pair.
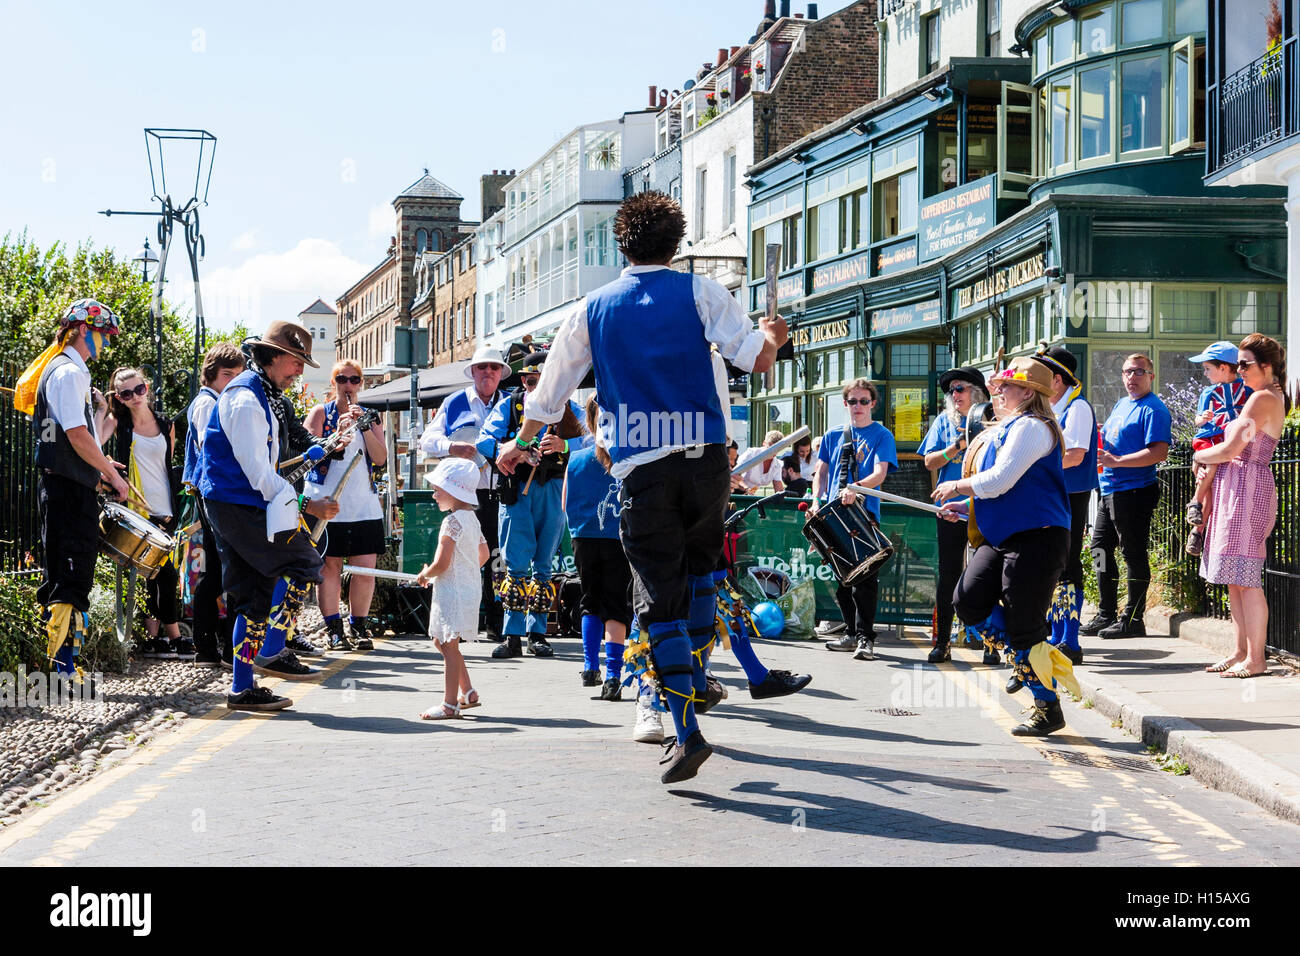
457,585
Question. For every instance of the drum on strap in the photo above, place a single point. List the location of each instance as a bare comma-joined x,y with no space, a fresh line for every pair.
131,541
849,540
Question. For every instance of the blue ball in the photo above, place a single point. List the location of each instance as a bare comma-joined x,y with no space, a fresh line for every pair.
769,619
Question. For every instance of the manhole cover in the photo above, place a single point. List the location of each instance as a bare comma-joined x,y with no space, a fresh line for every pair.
893,712
1099,761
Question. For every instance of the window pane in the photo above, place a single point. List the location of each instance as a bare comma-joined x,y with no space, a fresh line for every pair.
909,361
1250,310
1063,41
1097,32
1094,111
1188,310
862,212
1140,116
1143,20
1189,17
1182,76
1040,53
1061,123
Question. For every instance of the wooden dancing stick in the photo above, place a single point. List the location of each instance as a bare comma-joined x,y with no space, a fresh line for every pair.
772,450
900,500
533,474
379,573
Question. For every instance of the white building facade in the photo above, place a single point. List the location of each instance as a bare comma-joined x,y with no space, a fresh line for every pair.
322,323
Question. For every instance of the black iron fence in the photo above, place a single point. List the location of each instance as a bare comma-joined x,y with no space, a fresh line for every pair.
1255,106
1179,572
20,534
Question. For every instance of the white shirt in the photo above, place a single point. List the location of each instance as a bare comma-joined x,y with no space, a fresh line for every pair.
1080,428
357,502
200,412
244,421
151,462
1028,442
725,324
436,444
67,391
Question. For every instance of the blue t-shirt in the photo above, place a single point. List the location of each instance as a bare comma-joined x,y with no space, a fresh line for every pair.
871,445
1224,402
1132,426
591,497
941,435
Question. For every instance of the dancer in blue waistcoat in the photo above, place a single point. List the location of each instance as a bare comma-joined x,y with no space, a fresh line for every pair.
1020,524
647,336
531,518
267,558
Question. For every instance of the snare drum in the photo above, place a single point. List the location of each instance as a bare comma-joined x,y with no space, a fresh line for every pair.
131,541
849,540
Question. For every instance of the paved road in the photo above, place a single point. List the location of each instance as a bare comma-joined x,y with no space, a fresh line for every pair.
876,762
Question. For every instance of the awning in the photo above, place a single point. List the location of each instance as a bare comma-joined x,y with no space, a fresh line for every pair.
435,384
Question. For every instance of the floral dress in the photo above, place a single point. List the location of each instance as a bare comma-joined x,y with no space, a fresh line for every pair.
453,611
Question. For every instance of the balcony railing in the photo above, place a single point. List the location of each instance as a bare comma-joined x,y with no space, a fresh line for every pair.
1255,107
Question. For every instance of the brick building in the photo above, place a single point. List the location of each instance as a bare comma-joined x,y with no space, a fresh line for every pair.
444,303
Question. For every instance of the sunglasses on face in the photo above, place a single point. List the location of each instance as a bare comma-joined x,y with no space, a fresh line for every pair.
956,389
530,379
125,393
348,379
858,401
486,367
1244,364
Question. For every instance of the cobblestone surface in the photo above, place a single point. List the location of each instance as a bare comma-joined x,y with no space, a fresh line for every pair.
541,773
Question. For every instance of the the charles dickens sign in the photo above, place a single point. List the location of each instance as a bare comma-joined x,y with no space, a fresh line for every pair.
823,333
1003,281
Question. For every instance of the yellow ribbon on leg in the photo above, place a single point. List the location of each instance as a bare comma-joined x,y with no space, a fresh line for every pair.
1050,665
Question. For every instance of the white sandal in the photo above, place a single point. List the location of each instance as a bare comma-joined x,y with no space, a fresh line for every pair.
444,711
464,703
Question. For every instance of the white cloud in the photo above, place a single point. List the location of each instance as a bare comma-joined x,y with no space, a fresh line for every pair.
245,241
383,221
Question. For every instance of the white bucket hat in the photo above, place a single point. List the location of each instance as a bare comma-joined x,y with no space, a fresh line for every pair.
459,478
488,355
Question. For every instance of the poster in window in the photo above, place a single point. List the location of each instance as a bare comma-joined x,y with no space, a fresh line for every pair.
907,408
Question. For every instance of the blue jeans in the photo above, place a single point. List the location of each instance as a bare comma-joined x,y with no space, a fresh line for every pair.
530,531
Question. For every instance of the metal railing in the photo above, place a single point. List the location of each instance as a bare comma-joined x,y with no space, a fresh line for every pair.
1180,572
1255,107
20,533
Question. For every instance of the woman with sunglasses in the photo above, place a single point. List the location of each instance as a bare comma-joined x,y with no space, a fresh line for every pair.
1244,508
944,448
356,535
145,442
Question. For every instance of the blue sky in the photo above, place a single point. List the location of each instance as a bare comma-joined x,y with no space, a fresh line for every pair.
323,113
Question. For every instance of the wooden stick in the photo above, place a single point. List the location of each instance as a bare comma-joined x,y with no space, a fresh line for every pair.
772,450
898,499
533,474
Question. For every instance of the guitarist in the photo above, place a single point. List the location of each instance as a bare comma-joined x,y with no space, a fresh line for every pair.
356,535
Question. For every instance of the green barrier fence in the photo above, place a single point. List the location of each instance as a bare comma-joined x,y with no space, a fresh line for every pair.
906,582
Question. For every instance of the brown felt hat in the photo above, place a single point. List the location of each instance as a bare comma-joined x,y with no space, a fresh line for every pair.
290,338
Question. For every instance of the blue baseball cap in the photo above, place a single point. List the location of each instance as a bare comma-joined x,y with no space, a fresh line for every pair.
1218,352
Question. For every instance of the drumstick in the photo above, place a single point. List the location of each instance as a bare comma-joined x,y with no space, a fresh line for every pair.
795,436
898,499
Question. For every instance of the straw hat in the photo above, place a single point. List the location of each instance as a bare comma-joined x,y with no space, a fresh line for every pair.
1027,373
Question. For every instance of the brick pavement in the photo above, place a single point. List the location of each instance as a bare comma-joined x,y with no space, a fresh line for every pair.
543,774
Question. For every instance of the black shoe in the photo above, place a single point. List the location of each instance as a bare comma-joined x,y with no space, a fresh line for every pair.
866,649
684,759
845,642
1045,719
361,637
285,664
1076,657
540,647
714,693
992,658
940,653
156,649
779,684
510,647
338,638
590,678
257,698
300,645
207,660
611,689
1124,627
185,649
1093,627
1014,683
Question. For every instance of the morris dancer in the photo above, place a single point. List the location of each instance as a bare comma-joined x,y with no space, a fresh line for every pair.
647,334
530,525
1020,525
267,580
55,389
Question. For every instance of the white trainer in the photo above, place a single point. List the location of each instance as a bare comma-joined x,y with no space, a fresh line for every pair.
649,727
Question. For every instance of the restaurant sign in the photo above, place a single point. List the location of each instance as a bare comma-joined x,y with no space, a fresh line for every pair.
905,318
957,217
787,290
835,274
1004,280
896,258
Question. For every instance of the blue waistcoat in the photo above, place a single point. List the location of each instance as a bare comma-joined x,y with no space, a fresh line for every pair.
1083,476
190,475
318,475
1036,500
220,476
654,373
591,497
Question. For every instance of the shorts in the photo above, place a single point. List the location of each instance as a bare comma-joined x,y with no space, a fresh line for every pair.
606,578
1200,444
346,539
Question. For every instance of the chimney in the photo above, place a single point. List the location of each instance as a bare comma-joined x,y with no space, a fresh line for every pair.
736,49
785,8
654,96
722,56
663,98
492,195
769,10
798,16
812,11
